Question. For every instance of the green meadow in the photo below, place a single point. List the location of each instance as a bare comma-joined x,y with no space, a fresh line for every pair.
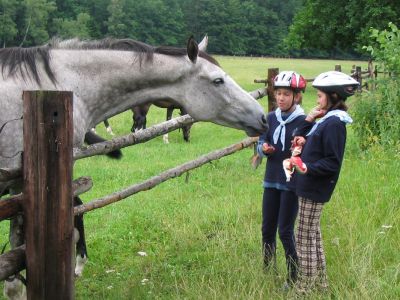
201,232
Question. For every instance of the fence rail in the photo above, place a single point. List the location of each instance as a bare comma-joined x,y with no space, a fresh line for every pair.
156,180
356,72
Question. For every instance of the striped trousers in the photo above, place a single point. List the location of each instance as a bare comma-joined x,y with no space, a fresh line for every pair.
312,264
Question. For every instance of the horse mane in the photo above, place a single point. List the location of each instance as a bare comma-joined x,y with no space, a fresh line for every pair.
23,61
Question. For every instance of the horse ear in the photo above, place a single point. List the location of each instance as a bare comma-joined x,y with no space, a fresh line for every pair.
204,43
192,49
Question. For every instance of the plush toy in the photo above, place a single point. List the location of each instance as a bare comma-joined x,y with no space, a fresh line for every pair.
295,162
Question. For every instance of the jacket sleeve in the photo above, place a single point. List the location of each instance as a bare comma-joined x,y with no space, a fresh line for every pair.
333,142
261,140
264,138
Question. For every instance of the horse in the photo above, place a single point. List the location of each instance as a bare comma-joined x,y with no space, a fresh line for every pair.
110,76
139,117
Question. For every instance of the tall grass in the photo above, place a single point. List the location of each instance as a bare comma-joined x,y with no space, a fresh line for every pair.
202,233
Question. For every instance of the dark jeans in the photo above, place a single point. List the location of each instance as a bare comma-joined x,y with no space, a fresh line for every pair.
279,212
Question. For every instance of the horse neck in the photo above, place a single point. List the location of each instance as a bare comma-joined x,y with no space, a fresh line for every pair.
109,82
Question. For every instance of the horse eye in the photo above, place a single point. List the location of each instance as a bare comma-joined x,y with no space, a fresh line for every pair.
218,81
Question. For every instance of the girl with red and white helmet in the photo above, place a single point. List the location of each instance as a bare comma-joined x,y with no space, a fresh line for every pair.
318,171
280,205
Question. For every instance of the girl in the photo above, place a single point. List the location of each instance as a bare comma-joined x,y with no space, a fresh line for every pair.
280,206
318,171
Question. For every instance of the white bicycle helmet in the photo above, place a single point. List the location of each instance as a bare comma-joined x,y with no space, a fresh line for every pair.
291,80
336,82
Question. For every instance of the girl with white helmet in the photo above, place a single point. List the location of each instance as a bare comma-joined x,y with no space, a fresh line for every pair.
280,205
318,171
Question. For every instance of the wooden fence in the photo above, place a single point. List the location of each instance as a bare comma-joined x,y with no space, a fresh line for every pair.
46,202
356,72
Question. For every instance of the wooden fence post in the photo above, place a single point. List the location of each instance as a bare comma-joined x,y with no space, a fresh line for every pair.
48,206
359,77
272,72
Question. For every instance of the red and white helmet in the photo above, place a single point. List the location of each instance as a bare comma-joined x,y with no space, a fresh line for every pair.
291,80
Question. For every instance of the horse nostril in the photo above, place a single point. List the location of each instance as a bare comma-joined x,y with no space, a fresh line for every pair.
264,119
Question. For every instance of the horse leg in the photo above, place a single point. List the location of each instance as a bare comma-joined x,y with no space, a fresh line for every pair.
139,116
186,128
108,127
14,286
79,235
170,110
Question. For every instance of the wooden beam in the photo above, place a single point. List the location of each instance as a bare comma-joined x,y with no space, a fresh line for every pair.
48,206
10,206
272,72
12,262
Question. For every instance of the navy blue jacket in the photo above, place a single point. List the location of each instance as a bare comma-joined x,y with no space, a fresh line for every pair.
323,156
274,170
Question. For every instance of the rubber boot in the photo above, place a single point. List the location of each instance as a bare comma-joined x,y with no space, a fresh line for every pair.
292,271
270,257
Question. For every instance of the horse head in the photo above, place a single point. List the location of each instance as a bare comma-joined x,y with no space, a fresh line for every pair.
210,94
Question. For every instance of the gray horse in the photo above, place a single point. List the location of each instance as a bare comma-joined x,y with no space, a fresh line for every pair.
110,76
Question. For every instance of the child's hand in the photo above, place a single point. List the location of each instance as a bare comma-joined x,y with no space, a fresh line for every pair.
298,141
268,149
315,113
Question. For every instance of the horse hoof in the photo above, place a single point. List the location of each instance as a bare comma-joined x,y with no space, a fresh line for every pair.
14,289
80,264
165,139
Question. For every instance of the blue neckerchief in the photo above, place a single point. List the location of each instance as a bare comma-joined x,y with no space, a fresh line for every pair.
281,129
341,114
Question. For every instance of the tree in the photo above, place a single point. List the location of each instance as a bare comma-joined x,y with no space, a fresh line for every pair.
385,48
8,27
117,21
36,18
340,24
157,22
73,28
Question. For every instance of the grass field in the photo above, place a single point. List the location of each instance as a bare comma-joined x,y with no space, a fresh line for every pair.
202,238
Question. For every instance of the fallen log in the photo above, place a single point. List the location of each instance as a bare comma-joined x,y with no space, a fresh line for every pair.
171,173
12,262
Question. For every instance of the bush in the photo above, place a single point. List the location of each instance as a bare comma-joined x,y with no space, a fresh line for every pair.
377,115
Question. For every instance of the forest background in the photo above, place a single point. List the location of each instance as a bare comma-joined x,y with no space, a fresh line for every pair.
292,28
